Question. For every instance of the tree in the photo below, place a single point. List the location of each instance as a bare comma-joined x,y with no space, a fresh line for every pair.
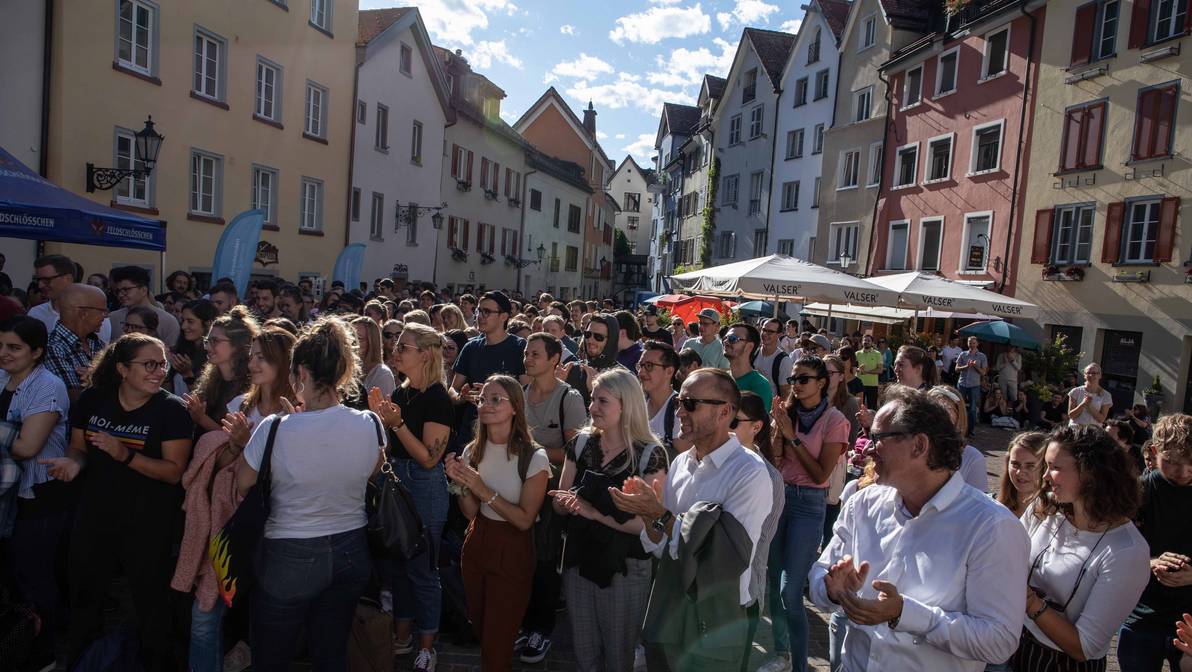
620,245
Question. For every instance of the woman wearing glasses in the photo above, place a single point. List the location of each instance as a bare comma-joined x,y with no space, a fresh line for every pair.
134,440
226,373
810,434
502,476
141,320
607,573
419,417
1089,563
1089,404
189,356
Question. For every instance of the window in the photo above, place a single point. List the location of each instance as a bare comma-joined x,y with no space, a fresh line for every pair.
320,14
1167,19
486,238
205,177
868,31
945,72
813,49
862,100
558,205
376,217
381,139
975,253
912,87
815,194
1107,25
800,91
457,233
794,144
755,121
355,204
843,241
875,164
633,223
939,157
316,110
1081,146
513,188
997,52
536,204
896,245
209,65
489,172
131,190
729,189
755,192
734,129
461,165
817,144
509,242
821,84
749,90
1072,237
786,246
906,165
1154,121
416,143
264,192
572,259
726,247
1142,228
136,39
633,202
790,195
311,211
1094,35
987,147
850,166
406,59
574,214
930,239
268,98
759,242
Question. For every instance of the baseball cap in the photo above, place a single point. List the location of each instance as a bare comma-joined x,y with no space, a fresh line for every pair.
710,314
651,309
822,341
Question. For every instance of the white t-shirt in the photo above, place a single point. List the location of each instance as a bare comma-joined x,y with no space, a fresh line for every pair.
499,471
253,415
381,377
1098,401
321,464
972,468
765,366
658,422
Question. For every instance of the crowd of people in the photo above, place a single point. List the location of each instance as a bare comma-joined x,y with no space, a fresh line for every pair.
666,484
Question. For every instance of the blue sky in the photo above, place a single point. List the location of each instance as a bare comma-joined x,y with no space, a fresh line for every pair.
626,56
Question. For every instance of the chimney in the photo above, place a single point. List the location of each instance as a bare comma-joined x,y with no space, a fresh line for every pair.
590,119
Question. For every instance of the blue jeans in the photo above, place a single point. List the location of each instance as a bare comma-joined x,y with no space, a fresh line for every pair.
837,629
206,637
417,594
972,401
793,551
313,582
1142,649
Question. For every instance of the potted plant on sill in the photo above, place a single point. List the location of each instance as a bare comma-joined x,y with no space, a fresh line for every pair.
458,254
1050,271
1154,397
1074,273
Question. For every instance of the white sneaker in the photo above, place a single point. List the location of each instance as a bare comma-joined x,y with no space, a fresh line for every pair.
426,660
776,664
387,601
403,646
639,659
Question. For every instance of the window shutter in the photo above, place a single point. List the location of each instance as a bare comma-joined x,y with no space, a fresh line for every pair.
469,178
1111,248
1070,149
480,229
1041,250
1082,34
1169,211
496,177
455,160
1094,119
1144,123
451,224
464,226
1165,117
1140,21
484,173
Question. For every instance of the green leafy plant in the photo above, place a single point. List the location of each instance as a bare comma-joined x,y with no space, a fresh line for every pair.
685,268
708,227
1050,365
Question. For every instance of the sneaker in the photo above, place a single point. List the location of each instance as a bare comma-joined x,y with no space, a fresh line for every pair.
535,649
387,601
426,660
402,647
639,659
777,664
521,640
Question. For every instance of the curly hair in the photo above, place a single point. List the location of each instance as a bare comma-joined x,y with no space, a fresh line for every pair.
917,413
327,349
123,350
240,328
1173,434
1109,485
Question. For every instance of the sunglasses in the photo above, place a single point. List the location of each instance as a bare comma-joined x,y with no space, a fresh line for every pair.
689,403
732,339
771,331
491,400
801,380
599,338
402,347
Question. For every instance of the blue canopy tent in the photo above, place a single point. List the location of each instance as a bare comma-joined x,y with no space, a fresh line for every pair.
32,207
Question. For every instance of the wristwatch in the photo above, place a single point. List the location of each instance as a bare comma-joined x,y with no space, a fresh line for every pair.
1039,612
128,460
893,622
662,521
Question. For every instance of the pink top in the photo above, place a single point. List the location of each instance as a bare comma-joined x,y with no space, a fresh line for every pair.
832,427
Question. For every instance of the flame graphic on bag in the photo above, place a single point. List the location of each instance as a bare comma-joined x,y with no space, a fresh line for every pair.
221,562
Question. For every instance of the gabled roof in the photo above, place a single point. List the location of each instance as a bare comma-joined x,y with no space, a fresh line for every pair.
676,119
551,97
646,173
714,85
373,22
772,49
836,14
565,171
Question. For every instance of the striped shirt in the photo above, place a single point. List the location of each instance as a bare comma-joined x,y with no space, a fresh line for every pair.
65,354
40,392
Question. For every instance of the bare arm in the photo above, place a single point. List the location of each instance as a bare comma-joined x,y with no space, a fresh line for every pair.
35,429
175,455
818,469
427,450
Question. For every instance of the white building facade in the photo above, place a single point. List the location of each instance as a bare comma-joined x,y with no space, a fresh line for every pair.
628,188
556,198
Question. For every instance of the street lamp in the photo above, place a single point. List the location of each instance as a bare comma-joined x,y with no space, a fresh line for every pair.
845,260
408,214
147,144
522,263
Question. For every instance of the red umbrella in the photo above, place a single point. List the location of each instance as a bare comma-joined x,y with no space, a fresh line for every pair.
688,307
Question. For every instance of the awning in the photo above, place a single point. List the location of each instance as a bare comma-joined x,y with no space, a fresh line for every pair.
927,290
779,276
886,315
35,208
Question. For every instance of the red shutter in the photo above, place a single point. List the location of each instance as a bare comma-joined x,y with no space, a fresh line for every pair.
1165,117
496,177
480,226
513,243
492,238
1094,119
464,225
1082,34
484,173
1070,150
1041,250
1111,248
1140,21
1144,123
469,177
1169,212
451,224
455,160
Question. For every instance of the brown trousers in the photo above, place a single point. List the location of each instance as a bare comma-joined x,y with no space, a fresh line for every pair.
498,567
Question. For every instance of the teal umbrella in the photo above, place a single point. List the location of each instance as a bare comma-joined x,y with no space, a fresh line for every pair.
997,331
759,309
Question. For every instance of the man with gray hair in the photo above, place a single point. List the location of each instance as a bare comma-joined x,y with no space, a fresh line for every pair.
72,343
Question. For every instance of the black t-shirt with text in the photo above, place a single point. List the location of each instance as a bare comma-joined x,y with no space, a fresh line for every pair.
658,334
419,407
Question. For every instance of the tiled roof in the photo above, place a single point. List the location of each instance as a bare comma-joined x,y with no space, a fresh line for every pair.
836,14
912,14
681,119
715,85
773,48
373,22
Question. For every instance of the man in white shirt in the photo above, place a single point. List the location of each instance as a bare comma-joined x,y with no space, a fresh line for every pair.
718,469
54,274
770,355
923,568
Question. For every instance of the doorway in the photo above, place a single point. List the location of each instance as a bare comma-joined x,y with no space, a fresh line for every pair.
1119,365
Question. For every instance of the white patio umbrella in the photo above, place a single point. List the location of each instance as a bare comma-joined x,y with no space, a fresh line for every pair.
779,276
926,290
887,315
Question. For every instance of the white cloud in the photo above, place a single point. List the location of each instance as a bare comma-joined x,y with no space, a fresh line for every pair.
658,23
485,53
664,2
567,29
619,136
791,26
585,67
601,135
685,67
642,149
625,91
452,22
746,12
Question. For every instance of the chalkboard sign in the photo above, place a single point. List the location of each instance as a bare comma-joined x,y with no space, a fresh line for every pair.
976,258
1119,357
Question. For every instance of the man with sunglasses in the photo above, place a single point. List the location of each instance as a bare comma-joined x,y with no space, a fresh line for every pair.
131,286
54,274
717,470
600,354
708,345
772,361
922,568
741,341
72,343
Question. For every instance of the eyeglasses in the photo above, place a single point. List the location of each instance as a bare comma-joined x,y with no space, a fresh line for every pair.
120,291
213,340
689,403
488,311
47,279
390,335
491,400
649,367
801,380
877,437
129,327
599,338
152,365
772,331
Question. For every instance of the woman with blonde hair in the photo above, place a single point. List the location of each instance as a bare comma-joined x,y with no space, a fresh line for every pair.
607,573
503,476
418,317
453,317
374,372
848,404
1022,475
972,462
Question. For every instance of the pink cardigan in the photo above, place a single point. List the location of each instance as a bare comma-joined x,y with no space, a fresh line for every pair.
211,498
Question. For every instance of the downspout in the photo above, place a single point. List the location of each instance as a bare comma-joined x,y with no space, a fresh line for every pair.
360,52
521,236
881,176
773,155
47,54
1026,85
